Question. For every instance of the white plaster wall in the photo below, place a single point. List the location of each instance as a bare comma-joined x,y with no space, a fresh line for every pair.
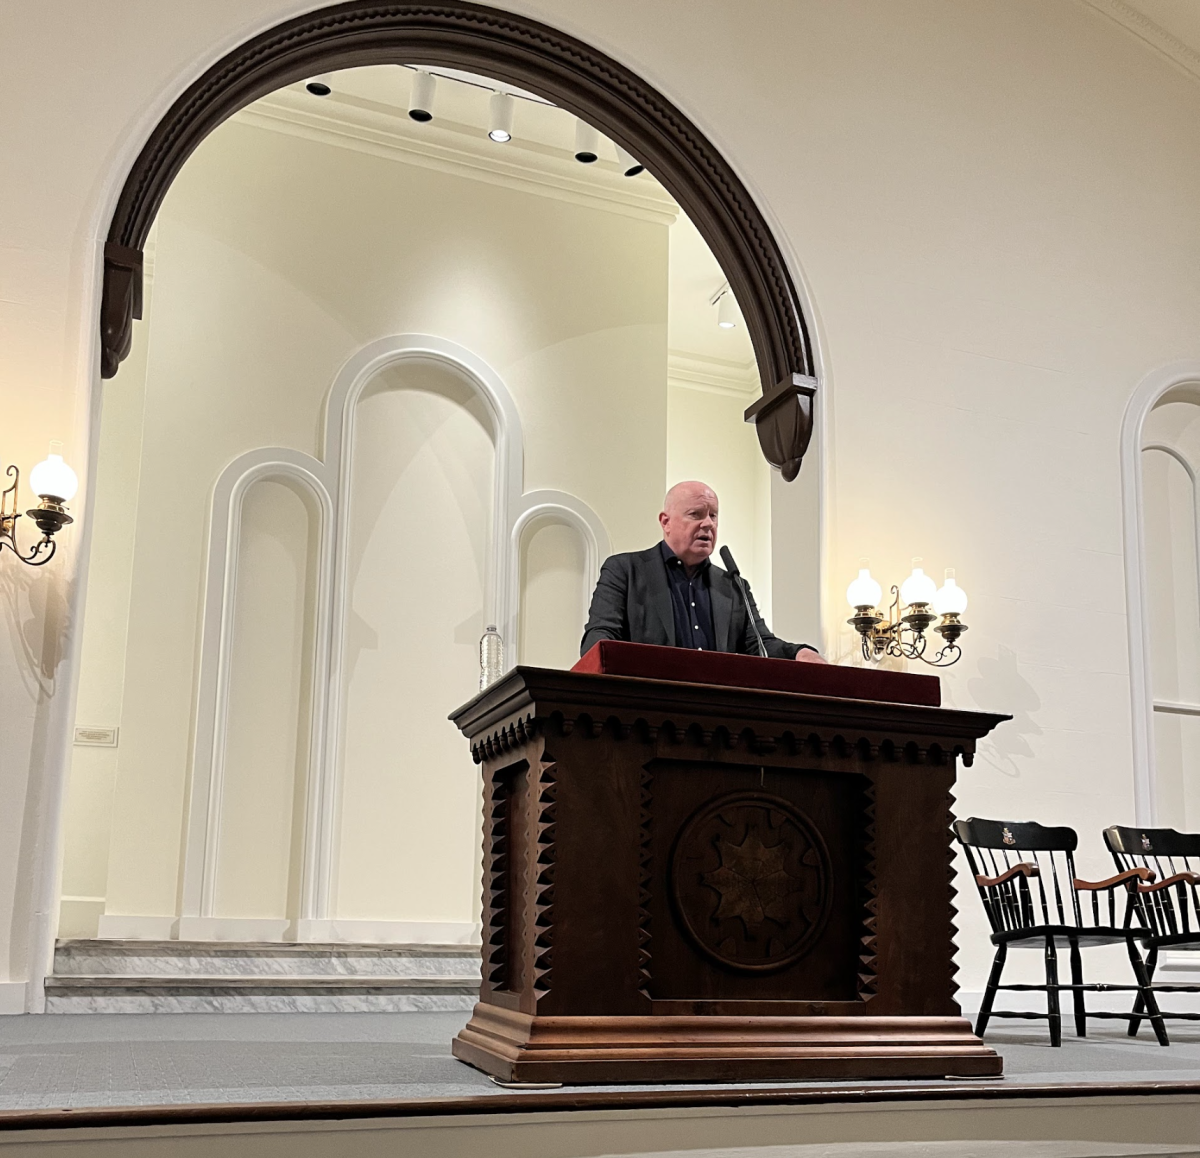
554,599
992,207
271,671
277,258
419,534
711,442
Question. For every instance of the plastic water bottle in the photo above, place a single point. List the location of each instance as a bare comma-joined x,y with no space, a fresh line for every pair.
491,657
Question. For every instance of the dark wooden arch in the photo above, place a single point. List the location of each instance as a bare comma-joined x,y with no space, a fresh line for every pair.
532,56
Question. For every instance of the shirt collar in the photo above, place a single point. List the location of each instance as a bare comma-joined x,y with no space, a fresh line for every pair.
669,555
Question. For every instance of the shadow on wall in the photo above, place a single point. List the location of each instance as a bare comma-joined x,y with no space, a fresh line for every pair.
999,682
37,613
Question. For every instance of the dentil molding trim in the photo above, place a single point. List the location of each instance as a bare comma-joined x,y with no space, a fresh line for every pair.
1157,37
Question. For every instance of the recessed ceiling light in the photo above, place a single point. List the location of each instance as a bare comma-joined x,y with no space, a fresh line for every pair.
318,88
587,142
420,100
500,109
630,165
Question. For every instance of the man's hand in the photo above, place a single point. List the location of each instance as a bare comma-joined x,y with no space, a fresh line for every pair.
807,655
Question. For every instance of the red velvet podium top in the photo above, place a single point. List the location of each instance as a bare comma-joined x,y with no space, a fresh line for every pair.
684,665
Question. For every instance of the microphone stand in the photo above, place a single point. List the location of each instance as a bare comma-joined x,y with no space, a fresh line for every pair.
747,598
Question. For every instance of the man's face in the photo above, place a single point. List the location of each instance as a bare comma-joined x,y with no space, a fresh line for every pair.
689,523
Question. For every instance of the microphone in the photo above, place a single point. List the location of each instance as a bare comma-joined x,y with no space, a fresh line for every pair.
740,584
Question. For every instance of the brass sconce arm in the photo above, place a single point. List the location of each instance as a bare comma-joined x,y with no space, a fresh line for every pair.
50,516
905,636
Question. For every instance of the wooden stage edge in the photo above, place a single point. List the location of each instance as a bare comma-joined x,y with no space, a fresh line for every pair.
530,1103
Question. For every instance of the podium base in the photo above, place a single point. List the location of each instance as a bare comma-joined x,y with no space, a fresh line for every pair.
579,1050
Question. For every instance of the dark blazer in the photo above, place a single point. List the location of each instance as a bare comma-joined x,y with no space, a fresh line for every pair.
632,602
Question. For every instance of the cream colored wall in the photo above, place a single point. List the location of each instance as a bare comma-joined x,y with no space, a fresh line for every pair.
93,770
418,551
261,294
555,593
992,208
710,441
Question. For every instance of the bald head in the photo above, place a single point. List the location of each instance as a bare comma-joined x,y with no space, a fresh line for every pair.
689,521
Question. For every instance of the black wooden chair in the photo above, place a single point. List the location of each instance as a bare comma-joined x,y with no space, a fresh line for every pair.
1033,899
1170,907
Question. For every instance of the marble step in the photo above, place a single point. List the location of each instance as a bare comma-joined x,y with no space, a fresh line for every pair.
209,959
109,993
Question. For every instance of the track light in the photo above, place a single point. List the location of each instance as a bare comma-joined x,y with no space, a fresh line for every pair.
727,315
318,86
420,100
587,142
501,117
630,165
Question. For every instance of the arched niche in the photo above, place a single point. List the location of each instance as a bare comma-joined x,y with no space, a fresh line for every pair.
1179,382
328,485
555,511
534,56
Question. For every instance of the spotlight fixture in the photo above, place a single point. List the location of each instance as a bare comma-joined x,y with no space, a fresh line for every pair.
55,484
501,117
630,165
318,87
903,636
420,99
727,310
587,142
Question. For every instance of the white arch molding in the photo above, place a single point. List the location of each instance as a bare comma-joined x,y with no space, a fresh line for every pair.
329,480
1149,392
539,508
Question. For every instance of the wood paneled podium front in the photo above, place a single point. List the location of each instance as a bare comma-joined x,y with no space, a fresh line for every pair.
707,867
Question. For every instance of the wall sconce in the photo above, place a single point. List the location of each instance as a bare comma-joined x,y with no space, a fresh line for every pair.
903,635
55,484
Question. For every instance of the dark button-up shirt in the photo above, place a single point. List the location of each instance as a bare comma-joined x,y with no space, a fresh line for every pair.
690,602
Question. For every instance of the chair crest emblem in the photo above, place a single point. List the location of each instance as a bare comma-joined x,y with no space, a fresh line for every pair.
1145,842
1007,836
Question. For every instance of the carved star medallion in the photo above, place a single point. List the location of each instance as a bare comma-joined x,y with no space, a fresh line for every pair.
750,881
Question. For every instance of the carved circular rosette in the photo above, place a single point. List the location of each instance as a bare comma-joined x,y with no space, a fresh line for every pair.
750,882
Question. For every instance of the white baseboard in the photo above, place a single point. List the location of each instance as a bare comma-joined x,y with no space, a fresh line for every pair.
12,997
234,929
80,916
390,932
136,928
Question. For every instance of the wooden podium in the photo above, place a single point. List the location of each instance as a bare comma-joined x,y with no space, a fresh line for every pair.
719,868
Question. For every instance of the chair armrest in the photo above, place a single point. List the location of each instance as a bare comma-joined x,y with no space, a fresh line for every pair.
1141,874
1023,869
1166,882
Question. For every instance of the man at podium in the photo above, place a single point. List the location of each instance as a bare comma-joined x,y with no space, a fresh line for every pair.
672,594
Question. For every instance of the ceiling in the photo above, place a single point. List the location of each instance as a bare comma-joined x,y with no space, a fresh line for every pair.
543,140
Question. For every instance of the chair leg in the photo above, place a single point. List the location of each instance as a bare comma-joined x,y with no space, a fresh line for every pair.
989,994
1077,991
1139,1004
1052,993
1146,994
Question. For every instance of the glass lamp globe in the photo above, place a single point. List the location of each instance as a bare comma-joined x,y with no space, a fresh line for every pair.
951,599
53,478
864,591
918,587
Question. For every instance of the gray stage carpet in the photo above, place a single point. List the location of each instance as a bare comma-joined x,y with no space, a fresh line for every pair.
76,1061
